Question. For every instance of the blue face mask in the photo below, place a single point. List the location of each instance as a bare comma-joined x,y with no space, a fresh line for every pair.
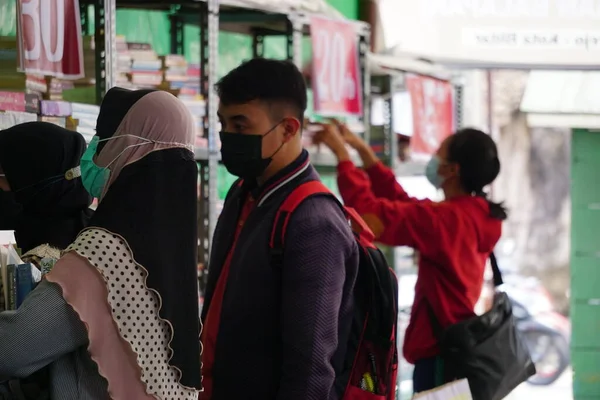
93,177
431,172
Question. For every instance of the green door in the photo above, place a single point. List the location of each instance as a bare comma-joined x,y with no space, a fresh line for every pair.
585,264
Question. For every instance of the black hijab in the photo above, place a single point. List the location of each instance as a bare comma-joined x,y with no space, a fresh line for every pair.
9,211
35,156
153,205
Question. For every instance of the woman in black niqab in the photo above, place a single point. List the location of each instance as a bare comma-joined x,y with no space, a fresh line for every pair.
40,162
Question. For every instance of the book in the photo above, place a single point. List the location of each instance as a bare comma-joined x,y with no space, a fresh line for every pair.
3,277
9,259
11,286
24,283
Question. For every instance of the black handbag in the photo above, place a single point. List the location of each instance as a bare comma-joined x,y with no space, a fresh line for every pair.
487,350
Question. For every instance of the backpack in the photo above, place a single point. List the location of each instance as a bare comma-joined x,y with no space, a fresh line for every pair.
371,361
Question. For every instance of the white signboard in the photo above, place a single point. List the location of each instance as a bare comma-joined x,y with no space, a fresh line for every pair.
544,33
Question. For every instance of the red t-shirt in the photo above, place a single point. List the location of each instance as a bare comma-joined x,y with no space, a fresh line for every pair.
210,330
454,239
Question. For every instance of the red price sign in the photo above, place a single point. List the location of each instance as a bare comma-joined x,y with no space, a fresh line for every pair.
335,75
432,113
49,38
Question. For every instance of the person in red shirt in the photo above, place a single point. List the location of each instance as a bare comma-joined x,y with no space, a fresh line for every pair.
454,238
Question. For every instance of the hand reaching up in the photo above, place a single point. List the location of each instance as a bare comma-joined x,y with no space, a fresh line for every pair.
353,140
330,136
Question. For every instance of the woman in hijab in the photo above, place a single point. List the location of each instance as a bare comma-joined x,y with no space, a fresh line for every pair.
117,317
40,164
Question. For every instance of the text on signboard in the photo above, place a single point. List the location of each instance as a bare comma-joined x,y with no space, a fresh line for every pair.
511,8
39,11
335,83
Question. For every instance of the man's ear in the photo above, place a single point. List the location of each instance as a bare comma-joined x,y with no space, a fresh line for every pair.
291,128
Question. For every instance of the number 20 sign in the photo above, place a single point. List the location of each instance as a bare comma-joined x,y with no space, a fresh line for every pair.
49,38
335,75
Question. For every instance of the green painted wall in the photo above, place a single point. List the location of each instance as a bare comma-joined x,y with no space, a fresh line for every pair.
8,22
349,8
585,264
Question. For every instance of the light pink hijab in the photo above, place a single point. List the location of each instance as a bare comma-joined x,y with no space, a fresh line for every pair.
158,117
162,122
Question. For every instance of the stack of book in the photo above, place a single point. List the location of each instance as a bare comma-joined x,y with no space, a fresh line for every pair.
146,67
192,86
189,93
56,87
174,68
197,107
83,119
55,111
17,279
17,108
123,62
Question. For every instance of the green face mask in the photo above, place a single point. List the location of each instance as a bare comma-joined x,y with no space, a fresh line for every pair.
93,177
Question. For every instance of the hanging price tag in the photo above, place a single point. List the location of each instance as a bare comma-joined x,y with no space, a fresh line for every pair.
433,114
335,76
49,38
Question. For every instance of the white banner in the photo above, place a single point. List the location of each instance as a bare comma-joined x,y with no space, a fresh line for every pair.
458,390
545,33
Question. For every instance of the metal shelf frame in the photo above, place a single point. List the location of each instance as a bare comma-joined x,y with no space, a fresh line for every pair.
210,16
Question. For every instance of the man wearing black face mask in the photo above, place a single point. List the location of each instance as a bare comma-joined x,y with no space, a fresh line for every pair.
274,328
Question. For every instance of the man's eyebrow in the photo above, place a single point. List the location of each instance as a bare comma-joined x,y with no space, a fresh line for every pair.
239,118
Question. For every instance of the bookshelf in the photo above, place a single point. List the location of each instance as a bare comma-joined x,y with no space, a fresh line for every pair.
259,21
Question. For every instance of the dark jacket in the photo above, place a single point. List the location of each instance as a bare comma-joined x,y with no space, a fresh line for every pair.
280,328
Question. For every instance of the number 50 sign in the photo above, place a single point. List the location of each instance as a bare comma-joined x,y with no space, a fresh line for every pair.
335,75
49,38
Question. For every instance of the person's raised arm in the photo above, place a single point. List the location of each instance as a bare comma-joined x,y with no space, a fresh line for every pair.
320,255
394,222
382,178
43,329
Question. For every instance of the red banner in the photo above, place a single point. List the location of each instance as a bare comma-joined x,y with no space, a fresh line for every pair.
432,110
335,76
49,38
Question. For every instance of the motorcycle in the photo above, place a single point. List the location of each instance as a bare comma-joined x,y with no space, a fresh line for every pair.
546,332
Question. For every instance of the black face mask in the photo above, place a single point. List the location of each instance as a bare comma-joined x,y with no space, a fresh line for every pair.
242,154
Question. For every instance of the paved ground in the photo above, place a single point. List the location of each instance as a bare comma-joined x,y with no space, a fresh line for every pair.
560,390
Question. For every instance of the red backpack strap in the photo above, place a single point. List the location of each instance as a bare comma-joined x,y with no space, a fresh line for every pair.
360,227
287,208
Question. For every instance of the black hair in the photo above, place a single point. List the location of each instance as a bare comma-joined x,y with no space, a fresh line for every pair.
275,82
477,156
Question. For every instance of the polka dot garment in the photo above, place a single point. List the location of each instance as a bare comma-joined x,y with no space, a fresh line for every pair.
135,309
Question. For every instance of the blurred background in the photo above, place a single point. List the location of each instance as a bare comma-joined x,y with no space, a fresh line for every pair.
404,74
